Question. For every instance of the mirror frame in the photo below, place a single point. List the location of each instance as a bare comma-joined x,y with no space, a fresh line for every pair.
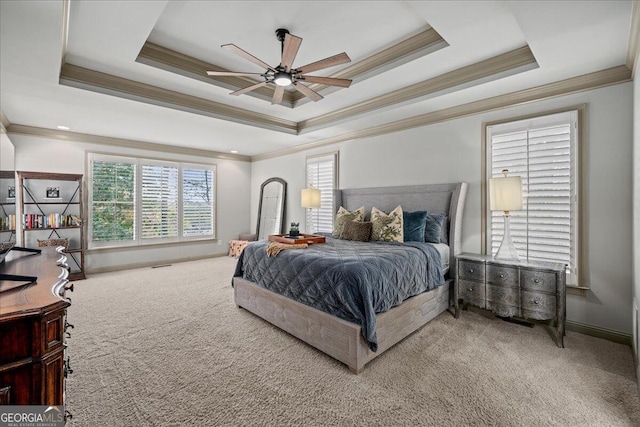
282,203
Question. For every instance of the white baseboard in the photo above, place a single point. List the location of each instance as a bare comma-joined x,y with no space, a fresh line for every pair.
150,264
598,332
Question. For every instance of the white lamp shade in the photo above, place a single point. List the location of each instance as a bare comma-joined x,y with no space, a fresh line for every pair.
505,193
310,198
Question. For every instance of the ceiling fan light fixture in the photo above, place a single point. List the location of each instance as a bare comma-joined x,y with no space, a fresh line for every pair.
282,79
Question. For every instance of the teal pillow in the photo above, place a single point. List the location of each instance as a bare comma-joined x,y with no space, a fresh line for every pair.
433,228
414,225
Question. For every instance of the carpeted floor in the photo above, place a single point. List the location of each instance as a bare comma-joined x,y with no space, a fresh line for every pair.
168,347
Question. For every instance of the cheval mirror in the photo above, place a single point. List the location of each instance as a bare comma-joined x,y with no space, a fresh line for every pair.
273,195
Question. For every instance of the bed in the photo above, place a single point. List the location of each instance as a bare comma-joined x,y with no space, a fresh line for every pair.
326,329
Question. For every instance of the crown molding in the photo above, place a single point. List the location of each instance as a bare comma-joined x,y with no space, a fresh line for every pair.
517,60
169,60
610,76
633,48
423,43
120,142
509,63
85,78
418,45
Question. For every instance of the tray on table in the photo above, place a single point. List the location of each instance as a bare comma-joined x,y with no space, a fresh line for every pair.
292,240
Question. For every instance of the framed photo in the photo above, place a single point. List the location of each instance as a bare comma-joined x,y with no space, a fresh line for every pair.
11,194
53,192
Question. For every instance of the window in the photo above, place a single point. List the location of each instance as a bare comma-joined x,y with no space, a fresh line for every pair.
137,201
544,152
322,173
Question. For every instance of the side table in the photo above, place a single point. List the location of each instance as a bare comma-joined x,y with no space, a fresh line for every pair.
530,290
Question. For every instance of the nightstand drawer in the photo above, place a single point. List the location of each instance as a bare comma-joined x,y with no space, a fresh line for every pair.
471,270
501,275
532,280
539,306
472,293
503,301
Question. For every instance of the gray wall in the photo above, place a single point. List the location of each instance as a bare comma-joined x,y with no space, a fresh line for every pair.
232,189
451,151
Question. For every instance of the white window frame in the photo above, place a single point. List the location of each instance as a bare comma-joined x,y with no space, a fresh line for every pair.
574,277
326,196
138,162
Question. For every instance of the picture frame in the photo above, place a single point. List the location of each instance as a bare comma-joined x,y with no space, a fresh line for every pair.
53,193
11,192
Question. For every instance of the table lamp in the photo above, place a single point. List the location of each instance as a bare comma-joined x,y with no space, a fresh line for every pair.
310,198
505,194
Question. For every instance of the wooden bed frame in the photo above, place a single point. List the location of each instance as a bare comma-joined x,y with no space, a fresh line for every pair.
343,340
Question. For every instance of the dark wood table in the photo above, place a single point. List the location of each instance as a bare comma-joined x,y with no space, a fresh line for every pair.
32,328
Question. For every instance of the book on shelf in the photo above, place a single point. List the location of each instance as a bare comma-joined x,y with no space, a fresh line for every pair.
53,220
8,223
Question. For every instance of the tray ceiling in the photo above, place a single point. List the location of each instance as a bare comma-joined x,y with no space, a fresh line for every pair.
136,70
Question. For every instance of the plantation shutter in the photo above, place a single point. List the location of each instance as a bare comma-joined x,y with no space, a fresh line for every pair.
159,209
197,202
113,199
542,152
321,174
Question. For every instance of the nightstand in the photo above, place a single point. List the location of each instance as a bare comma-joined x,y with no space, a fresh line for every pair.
529,290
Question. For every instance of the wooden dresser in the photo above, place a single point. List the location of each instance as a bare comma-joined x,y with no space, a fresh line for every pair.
32,329
531,290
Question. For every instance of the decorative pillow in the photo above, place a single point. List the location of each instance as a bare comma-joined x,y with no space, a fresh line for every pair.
445,230
387,228
356,230
343,216
414,225
433,228
54,242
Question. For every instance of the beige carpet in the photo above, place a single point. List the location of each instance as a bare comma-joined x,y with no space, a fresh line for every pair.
168,347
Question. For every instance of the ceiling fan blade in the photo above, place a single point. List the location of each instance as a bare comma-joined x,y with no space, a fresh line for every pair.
230,73
307,92
331,61
246,55
249,89
290,50
277,95
330,81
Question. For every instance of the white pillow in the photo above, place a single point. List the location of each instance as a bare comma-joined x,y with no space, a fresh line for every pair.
387,227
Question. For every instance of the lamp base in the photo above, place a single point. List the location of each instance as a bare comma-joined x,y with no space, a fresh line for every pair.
507,250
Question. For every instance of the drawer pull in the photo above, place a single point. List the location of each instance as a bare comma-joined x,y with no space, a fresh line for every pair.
501,276
470,289
471,270
536,281
537,301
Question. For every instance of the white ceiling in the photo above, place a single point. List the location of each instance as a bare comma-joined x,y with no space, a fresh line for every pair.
568,39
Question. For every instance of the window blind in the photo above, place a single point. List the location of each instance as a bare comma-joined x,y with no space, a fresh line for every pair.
159,209
197,202
542,152
322,174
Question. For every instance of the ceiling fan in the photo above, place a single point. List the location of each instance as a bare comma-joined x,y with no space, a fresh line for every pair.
284,74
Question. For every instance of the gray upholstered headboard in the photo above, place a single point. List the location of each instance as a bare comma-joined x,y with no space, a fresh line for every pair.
445,199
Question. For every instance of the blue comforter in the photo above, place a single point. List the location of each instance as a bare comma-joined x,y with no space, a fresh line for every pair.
350,280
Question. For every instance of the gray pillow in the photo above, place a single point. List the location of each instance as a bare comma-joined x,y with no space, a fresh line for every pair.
356,230
433,228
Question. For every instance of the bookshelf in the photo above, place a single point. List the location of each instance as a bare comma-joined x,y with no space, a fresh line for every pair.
7,207
51,210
